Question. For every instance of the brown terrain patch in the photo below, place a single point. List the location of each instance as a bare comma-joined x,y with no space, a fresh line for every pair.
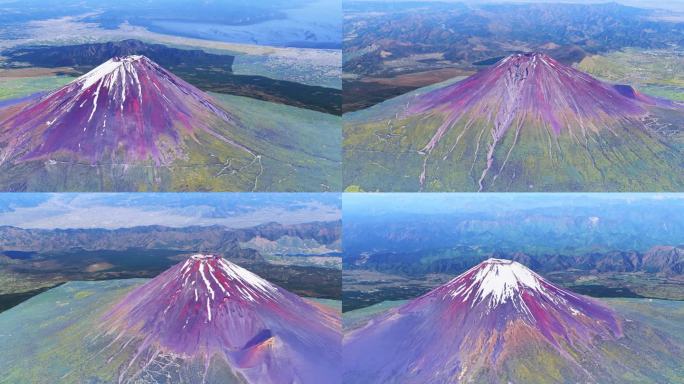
368,91
97,267
36,71
420,79
6,112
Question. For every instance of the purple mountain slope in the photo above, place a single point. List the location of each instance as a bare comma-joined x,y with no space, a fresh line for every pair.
533,87
128,109
207,308
538,87
497,322
528,123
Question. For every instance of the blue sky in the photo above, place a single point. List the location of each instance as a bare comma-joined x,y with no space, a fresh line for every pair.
662,4
437,203
104,210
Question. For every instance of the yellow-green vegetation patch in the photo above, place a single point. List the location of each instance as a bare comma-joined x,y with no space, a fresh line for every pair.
656,72
15,87
353,188
82,294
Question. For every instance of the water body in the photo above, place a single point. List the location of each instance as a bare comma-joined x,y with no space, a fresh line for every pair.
314,25
19,255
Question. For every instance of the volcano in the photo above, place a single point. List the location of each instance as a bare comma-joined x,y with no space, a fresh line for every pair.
205,320
527,123
127,109
207,309
498,322
131,125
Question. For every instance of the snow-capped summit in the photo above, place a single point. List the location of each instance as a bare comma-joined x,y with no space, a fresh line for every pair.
215,279
207,306
497,281
506,288
116,68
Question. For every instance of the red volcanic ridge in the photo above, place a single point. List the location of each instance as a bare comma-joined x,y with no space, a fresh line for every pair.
208,306
496,311
128,108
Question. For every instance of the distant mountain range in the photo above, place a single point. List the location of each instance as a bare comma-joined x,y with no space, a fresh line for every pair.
528,123
598,226
215,239
501,322
608,235
664,259
34,259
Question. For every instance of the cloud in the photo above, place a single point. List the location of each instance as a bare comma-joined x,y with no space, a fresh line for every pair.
122,210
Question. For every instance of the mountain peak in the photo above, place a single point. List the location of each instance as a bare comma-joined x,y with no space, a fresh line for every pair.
126,110
531,57
207,306
117,68
197,296
499,280
529,88
217,279
495,282
523,68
